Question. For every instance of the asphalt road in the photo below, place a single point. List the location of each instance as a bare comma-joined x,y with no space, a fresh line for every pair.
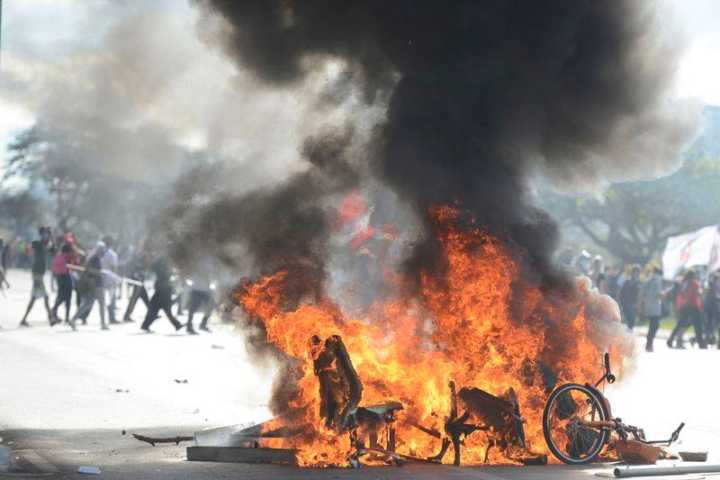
66,397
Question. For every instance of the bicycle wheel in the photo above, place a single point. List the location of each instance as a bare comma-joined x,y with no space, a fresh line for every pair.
569,440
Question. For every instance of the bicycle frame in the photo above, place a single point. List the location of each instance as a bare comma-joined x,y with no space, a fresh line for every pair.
616,425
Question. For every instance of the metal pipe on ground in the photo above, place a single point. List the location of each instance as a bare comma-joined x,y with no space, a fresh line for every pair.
629,472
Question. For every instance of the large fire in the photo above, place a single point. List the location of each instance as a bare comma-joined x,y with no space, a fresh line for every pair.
482,322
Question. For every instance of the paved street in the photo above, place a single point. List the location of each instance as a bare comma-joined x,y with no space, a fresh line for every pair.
66,397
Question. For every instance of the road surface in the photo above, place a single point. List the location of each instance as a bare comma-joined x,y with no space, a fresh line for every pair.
66,397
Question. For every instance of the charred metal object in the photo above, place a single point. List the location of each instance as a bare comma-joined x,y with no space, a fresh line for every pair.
498,417
340,395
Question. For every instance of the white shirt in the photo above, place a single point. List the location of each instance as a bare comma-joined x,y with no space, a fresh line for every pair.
109,261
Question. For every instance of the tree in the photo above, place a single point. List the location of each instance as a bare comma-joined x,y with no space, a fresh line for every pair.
632,220
41,164
58,172
20,211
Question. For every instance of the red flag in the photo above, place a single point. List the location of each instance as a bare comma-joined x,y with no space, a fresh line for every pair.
354,219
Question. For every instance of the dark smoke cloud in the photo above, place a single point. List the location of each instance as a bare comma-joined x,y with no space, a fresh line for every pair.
285,225
484,94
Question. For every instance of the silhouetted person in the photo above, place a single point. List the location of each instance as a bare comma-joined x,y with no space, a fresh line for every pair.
712,310
652,298
162,297
200,300
630,296
39,267
4,255
137,268
598,276
3,267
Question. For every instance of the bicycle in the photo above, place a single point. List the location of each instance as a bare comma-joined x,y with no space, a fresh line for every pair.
578,422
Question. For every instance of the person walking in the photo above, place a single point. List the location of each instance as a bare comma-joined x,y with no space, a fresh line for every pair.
136,268
3,267
652,298
5,251
64,282
200,300
598,275
162,297
630,296
689,306
91,287
39,267
110,277
712,310
77,257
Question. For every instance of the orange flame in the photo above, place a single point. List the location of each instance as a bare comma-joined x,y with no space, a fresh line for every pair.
482,323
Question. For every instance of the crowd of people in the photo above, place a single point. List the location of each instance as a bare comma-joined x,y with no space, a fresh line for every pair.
97,277
692,299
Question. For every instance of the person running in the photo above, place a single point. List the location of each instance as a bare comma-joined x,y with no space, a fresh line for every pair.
63,280
162,297
630,296
652,298
39,267
91,287
689,306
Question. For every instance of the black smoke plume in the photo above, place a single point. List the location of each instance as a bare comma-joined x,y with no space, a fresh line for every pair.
484,94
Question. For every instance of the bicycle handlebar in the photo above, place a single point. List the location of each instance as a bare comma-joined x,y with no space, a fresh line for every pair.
608,373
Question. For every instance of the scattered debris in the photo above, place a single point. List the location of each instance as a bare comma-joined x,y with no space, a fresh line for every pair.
634,452
693,456
89,470
628,472
153,440
242,455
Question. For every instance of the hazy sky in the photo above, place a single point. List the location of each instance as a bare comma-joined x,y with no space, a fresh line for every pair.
40,32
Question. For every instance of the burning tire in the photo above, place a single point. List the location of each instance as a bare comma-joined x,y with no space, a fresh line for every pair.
567,410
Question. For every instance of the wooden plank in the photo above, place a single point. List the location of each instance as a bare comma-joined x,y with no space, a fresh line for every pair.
241,455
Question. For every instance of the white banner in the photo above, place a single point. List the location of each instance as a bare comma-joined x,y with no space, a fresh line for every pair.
701,247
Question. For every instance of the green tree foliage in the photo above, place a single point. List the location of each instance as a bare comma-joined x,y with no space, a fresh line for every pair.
632,220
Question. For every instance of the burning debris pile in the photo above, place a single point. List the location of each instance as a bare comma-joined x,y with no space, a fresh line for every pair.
478,97
459,328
